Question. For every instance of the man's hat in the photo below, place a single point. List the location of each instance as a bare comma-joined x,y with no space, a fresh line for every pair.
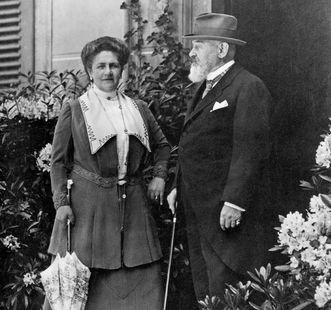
214,26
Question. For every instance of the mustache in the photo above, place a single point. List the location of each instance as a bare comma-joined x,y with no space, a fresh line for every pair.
194,60
195,63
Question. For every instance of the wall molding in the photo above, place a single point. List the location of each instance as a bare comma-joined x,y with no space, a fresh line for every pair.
43,35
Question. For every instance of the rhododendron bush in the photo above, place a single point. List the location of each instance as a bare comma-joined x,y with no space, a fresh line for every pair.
305,238
27,118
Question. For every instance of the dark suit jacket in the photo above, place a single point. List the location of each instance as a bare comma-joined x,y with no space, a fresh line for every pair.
223,156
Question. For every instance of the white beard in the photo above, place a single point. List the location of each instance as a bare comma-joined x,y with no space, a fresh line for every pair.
197,73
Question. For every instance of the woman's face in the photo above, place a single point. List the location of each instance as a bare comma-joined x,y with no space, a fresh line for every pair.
106,71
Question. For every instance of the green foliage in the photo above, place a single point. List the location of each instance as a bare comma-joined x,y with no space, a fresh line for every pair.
163,86
267,291
26,208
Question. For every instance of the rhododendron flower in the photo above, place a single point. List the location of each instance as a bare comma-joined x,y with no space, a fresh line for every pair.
11,243
323,294
323,152
44,158
29,278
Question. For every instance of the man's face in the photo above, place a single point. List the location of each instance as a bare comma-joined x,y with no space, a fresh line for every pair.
204,57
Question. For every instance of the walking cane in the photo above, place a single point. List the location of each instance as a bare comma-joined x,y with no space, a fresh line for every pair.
69,184
174,219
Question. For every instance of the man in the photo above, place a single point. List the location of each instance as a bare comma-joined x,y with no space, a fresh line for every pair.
223,152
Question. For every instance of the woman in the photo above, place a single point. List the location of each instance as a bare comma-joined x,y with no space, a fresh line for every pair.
103,141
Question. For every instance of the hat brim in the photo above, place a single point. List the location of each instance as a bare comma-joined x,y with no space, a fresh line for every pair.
193,36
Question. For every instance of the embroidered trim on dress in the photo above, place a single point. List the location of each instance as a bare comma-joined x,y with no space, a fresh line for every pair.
60,199
160,170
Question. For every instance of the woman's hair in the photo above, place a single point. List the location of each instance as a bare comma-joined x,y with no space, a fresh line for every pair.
93,48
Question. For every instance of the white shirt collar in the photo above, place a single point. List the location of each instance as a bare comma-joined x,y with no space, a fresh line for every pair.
219,70
103,94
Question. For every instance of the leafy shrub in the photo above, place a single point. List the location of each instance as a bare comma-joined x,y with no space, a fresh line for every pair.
163,86
28,116
305,282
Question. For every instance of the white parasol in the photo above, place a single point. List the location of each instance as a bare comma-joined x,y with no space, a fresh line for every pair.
66,280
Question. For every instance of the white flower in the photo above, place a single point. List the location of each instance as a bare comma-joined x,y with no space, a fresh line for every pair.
35,107
323,294
316,204
319,217
308,239
29,278
292,232
323,152
308,256
11,243
322,263
294,262
44,158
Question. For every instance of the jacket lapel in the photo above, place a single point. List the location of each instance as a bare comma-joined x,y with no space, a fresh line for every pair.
197,96
198,106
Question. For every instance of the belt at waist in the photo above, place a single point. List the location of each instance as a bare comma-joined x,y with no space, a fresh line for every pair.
104,182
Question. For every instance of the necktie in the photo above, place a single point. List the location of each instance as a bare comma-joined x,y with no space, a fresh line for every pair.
210,83
209,86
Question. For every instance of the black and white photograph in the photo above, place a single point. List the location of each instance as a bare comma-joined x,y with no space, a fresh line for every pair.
165,155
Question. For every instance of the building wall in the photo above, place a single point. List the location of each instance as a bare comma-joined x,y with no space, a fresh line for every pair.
62,27
27,36
71,30
53,32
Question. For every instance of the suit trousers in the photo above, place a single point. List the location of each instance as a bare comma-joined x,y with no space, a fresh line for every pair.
209,273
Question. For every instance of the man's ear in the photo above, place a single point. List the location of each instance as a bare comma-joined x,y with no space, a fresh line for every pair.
223,49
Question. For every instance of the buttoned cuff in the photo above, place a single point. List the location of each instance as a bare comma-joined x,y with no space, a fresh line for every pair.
60,199
160,170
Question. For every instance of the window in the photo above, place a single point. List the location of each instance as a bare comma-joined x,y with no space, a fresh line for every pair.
10,49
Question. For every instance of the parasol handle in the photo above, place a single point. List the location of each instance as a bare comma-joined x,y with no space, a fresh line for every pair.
69,184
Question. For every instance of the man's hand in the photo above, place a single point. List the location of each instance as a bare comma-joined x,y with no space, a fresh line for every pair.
156,189
172,200
64,213
229,217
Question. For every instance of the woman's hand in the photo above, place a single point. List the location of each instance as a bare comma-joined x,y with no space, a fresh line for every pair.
64,213
156,189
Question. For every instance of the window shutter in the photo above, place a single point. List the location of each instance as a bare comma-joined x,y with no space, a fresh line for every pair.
10,50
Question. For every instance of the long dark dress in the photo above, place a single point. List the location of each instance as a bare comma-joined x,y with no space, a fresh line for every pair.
125,269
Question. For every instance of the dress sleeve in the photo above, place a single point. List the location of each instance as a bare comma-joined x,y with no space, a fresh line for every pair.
159,145
61,150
